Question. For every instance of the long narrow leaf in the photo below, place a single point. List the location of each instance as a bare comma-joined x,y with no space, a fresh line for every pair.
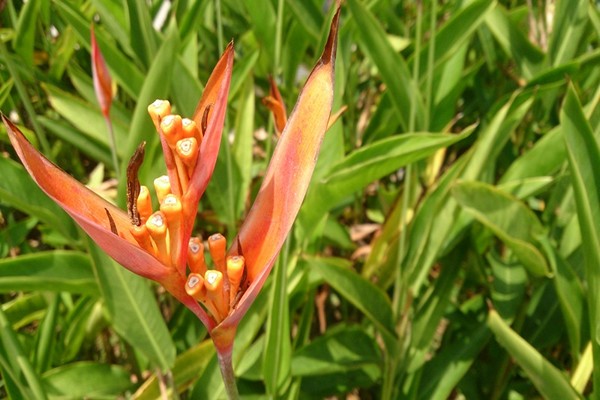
508,218
14,361
393,68
133,310
367,297
57,270
17,189
551,383
584,159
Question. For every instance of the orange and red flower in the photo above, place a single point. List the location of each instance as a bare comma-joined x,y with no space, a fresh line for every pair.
158,244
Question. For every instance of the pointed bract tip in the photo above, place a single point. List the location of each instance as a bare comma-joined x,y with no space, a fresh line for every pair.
331,45
9,125
229,47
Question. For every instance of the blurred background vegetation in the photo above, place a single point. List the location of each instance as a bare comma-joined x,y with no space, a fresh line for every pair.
449,246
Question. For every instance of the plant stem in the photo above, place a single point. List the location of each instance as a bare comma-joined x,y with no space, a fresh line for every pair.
226,366
113,146
278,34
394,363
219,25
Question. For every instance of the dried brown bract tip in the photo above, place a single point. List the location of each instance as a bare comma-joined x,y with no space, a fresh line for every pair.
133,184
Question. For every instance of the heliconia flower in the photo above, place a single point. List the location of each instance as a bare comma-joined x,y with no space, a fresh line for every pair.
159,245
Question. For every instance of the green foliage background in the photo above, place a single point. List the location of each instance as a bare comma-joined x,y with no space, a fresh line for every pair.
449,246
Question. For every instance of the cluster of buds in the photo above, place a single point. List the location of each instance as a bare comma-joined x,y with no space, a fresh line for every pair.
218,289
160,233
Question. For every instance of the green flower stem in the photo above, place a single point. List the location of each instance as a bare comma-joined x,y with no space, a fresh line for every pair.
278,35
113,146
226,366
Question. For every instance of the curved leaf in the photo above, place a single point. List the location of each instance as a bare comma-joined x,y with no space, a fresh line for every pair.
368,298
551,383
584,159
56,270
87,379
508,218
133,310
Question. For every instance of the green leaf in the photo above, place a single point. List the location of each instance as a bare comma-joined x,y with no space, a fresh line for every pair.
568,30
125,72
87,118
278,351
62,54
449,366
19,190
383,157
365,296
243,71
455,33
85,320
508,286
513,41
446,224
25,35
188,366
15,366
5,90
373,40
87,379
156,86
65,131
46,335
551,382
222,188
372,162
343,359
544,158
340,350
242,143
113,16
429,312
186,90
25,309
570,292
262,17
310,15
584,159
56,270
508,218
133,310
142,36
